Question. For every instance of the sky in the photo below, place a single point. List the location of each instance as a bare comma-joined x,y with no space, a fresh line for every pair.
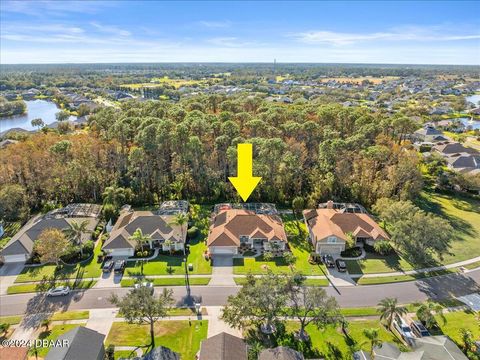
405,32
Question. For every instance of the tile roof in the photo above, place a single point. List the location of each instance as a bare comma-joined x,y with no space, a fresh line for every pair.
228,225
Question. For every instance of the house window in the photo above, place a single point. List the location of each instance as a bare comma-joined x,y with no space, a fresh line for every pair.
243,239
331,240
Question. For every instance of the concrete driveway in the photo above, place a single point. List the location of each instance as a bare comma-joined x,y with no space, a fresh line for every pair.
8,274
222,271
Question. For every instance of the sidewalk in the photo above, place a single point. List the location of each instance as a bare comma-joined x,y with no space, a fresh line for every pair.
101,320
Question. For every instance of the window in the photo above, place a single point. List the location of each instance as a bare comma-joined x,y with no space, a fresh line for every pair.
243,239
331,240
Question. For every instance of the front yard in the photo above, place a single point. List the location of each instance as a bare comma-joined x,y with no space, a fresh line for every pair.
52,334
299,246
172,281
44,286
183,337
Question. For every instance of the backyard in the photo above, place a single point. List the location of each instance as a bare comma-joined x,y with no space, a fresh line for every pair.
183,337
463,214
299,246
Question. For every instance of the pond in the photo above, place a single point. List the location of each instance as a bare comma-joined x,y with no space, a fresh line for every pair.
474,99
469,123
42,109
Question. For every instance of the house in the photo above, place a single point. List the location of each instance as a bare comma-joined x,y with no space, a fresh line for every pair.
20,246
235,228
7,142
280,353
14,353
449,148
80,343
223,347
427,133
330,228
158,353
159,227
425,348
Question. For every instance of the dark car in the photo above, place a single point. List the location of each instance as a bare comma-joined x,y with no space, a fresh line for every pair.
418,329
107,266
119,266
341,266
328,261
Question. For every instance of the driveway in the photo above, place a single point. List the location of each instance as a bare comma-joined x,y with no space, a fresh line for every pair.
222,271
8,274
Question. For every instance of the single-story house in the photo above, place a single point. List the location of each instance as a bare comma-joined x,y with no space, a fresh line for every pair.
330,228
232,228
280,353
20,246
80,343
223,347
158,353
425,348
427,133
449,148
160,228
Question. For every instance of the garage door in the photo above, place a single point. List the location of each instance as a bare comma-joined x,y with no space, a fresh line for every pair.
332,250
223,250
122,252
14,258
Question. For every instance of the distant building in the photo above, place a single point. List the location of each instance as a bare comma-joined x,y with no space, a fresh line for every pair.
426,134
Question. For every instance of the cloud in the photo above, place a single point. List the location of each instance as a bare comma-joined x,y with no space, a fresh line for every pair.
215,24
407,33
110,29
41,8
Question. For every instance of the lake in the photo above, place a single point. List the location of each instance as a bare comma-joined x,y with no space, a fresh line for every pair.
474,99
42,109
473,124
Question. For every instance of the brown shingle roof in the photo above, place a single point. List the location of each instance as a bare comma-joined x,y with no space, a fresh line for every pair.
331,222
228,225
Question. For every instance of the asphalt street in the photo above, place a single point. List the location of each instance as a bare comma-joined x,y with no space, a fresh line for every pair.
437,288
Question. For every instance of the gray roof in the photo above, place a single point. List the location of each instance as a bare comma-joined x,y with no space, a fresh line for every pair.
462,161
22,242
159,227
428,131
158,353
280,353
223,347
84,343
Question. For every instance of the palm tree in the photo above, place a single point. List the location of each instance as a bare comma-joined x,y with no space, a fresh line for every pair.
180,220
467,340
76,231
426,313
389,309
140,238
45,323
372,335
168,243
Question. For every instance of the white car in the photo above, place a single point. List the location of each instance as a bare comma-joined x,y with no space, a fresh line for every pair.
59,291
146,284
404,330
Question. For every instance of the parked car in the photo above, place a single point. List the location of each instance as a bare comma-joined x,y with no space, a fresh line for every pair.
418,329
119,266
403,329
59,291
341,266
107,266
328,261
146,284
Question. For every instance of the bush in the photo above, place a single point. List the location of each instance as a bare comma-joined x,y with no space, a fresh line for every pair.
95,234
192,232
268,256
289,258
88,247
351,252
109,352
383,247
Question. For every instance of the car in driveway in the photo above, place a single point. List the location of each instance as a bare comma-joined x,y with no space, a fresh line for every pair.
418,329
59,291
119,266
328,261
107,266
341,265
403,329
145,284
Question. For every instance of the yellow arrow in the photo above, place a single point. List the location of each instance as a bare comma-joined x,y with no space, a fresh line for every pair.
244,182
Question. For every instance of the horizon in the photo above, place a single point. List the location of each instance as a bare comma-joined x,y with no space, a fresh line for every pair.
393,33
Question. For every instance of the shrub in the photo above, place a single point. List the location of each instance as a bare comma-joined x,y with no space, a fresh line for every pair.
88,247
352,252
383,247
192,232
109,352
289,258
268,256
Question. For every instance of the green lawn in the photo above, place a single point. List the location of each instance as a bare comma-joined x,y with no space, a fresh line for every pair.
70,315
180,311
457,320
362,311
86,269
169,281
180,336
332,344
173,264
44,286
52,334
12,320
463,214
124,354
299,246
401,278
472,265
308,282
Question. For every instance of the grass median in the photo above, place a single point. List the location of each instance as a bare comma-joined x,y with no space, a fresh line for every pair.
169,281
41,287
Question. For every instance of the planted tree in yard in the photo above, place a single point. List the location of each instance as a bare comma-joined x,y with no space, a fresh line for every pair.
180,220
426,312
372,335
467,340
389,309
76,231
46,323
140,238
310,305
51,245
298,204
260,302
142,307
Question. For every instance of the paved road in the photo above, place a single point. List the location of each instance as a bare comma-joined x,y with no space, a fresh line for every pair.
440,287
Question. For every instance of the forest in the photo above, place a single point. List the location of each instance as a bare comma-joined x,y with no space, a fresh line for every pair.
163,150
